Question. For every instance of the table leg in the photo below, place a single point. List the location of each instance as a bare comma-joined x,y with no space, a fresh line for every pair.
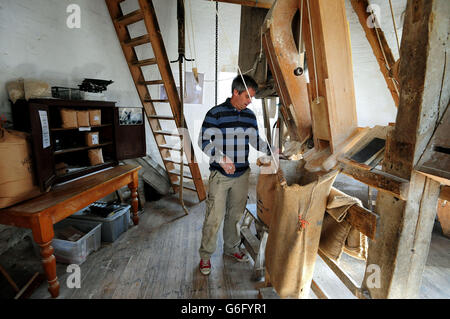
43,235
49,264
133,186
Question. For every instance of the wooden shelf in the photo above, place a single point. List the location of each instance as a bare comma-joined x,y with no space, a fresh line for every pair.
77,149
56,129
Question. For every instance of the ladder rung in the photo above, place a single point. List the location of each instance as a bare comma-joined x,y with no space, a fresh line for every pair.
174,162
163,132
154,82
162,117
137,41
130,18
170,147
157,100
185,175
144,62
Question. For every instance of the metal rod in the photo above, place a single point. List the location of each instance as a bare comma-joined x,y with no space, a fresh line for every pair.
217,49
181,49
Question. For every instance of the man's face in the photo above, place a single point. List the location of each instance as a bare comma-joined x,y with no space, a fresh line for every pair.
243,99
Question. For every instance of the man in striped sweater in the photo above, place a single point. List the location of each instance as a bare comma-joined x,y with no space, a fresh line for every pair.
226,133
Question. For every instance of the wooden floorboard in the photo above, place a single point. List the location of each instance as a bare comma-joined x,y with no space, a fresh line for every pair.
159,259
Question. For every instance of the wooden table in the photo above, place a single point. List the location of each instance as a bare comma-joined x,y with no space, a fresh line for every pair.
40,213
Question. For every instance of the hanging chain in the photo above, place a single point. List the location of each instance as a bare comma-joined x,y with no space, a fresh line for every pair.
217,49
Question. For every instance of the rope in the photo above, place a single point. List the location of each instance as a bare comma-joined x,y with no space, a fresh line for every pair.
313,52
300,43
193,35
382,51
395,27
302,222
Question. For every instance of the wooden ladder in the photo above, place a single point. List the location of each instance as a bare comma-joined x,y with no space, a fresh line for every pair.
146,13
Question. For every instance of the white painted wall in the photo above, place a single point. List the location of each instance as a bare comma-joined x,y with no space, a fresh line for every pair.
374,103
36,43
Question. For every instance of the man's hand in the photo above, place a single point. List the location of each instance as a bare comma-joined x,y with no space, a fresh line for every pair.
227,164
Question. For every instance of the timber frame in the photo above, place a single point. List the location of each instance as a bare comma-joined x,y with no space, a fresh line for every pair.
409,181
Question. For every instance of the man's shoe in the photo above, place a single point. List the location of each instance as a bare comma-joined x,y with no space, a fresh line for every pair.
205,267
240,256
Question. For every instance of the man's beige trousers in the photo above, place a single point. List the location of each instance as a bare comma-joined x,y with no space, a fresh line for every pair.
227,197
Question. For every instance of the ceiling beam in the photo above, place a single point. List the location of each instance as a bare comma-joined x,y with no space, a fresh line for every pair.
378,42
267,4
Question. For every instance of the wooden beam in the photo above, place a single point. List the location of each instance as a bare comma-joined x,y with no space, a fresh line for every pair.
252,60
363,220
375,36
401,253
342,275
328,53
435,161
425,87
318,291
380,180
266,4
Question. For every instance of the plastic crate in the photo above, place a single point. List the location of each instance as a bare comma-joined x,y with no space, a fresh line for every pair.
112,226
75,252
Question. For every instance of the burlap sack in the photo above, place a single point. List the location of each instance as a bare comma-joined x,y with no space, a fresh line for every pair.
69,118
15,90
95,117
16,171
294,234
83,118
356,245
96,156
265,188
92,138
337,234
36,89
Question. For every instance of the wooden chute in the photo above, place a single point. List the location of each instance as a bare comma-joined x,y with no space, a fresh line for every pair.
283,58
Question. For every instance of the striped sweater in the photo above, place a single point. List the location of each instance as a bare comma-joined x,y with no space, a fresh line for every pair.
227,131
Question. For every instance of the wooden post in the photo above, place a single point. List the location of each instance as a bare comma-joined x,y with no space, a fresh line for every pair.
404,233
